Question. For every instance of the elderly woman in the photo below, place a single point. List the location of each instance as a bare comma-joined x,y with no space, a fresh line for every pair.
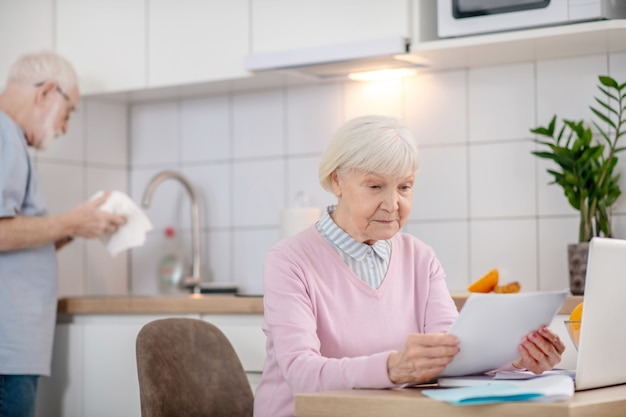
351,302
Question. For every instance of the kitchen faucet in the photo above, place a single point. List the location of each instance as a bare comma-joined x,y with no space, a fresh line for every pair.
194,280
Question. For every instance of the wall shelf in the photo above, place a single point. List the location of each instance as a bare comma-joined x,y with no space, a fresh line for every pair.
525,45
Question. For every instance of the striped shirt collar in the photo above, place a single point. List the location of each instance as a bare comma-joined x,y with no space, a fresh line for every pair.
346,243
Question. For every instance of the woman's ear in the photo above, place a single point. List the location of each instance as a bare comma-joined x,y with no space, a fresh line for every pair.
43,91
334,182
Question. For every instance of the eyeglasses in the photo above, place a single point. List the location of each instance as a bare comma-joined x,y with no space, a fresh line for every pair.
60,91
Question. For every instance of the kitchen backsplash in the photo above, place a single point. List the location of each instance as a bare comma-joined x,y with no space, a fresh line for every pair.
482,200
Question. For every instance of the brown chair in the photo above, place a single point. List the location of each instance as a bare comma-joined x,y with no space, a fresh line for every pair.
187,367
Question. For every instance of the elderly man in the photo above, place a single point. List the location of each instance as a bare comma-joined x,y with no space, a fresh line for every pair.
40,94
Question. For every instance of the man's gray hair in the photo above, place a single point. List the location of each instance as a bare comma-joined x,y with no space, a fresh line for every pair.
43,66
377,144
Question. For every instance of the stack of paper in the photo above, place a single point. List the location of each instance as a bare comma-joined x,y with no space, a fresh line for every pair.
542,388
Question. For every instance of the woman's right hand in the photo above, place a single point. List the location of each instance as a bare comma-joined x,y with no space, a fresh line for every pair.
423,357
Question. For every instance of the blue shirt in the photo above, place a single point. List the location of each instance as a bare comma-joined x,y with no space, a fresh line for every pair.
28,277
368,262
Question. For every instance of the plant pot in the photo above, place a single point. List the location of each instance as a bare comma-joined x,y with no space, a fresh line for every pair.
577,257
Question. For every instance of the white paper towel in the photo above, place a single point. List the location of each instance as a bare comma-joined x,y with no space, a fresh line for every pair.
296,219
129,235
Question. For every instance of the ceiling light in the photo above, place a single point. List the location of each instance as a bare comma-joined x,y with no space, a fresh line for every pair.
381,75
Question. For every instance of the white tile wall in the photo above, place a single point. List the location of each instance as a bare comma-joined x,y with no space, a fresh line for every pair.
63,186
313,113
259,194
205,127
155,134
441,184
435,107
501,102
450,240
566,87
554,236
502,180
249,248
107,135
219,256
383,97
481,199
259,124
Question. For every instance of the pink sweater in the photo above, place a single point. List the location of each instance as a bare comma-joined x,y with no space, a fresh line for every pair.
328,330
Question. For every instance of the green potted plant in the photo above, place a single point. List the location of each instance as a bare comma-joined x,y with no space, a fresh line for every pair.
586,169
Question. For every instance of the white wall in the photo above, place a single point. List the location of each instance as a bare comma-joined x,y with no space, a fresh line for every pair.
481,199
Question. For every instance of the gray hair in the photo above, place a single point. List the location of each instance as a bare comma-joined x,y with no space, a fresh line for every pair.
378,144
42,66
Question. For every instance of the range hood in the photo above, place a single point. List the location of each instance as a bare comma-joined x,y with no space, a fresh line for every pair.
337,60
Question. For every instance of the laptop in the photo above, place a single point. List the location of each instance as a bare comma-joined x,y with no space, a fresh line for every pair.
601,358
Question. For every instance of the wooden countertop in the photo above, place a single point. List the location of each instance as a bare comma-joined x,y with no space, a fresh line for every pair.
184,304
199,304
600,402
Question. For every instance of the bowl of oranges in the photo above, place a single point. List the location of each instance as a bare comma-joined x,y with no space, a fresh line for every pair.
573,324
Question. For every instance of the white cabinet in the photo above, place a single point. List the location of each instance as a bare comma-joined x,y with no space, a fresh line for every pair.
245,333
192,41
106,42
289,24
25,26
94,368
111,386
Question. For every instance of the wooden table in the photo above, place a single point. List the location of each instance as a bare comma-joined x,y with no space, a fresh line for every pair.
601,402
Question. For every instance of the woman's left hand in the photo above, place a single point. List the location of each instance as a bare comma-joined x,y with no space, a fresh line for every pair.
540,351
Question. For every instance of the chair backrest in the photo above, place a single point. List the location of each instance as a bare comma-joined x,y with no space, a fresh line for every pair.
187,367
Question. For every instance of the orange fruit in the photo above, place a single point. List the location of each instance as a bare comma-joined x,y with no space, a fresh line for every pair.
577,313
576,316
509,288
486,283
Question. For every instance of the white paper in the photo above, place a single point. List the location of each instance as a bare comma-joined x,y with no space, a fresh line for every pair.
129,235
499,376
541,389
491,326
508,375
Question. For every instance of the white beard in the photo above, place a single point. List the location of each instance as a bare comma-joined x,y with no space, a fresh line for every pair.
48,131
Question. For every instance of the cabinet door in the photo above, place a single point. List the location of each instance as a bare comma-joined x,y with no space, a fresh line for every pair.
245,333
110,367
289,24
106,42
25,26
195,41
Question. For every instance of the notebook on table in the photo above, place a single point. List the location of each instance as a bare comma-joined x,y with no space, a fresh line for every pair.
601,358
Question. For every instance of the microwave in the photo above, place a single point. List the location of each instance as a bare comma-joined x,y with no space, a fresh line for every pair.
469,17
